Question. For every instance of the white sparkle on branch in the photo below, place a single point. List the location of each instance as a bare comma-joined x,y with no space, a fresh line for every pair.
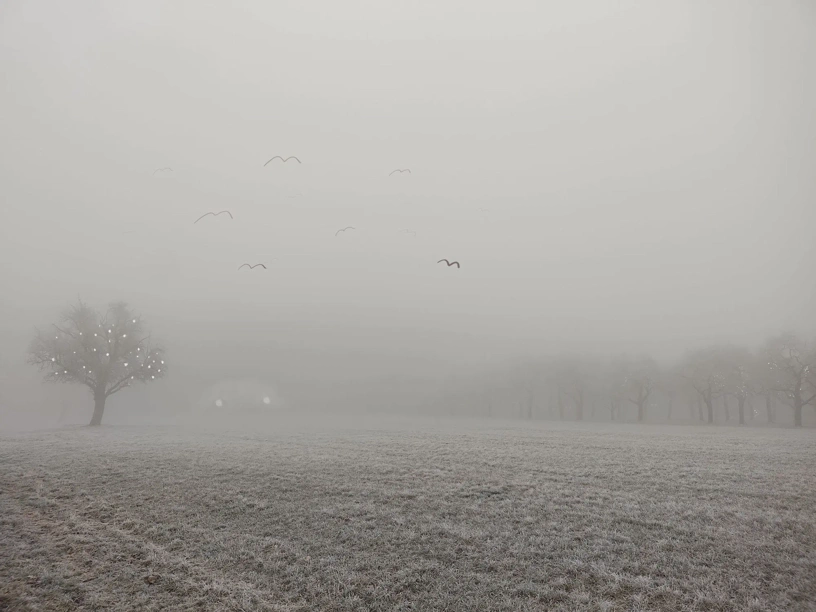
134,320
152,377
126,364
162,361
107,354
266,400
219,403
124,335
52,359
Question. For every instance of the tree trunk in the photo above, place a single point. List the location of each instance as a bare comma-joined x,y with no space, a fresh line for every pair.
741,405
709,401
768,408
725,407
700,409
797,412
671,406
640,412
99,408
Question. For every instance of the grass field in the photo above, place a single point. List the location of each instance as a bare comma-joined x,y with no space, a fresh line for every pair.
426,516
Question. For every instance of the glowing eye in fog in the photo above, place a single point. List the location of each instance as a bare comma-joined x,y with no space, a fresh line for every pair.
266,400
219,403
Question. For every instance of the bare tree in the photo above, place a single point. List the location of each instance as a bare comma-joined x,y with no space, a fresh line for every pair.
640,383
703,369
613,381
106,353
741,378
669,383
572,377
791,364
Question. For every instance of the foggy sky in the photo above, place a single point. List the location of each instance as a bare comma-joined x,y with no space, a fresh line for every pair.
648,170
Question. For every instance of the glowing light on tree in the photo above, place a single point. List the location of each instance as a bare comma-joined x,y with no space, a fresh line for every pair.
66,355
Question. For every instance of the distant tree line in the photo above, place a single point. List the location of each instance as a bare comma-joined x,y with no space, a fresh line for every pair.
716,384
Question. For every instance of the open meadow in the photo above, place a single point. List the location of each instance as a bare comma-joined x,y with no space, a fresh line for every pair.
409,515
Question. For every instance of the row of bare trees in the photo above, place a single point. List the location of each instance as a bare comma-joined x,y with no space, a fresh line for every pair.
754,382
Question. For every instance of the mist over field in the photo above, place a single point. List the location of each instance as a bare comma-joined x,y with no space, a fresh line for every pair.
528,239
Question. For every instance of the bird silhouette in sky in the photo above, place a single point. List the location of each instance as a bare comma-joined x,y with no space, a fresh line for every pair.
284,160
344,229
251,266
408,170
450,263
214,215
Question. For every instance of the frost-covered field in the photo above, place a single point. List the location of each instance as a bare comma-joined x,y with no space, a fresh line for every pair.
409,517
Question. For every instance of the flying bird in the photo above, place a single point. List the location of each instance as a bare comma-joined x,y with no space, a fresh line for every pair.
408,170
284,160
450,263
214,215
344,229
161,170
251,266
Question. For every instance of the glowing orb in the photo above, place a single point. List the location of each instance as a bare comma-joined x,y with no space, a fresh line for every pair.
219,403
266,400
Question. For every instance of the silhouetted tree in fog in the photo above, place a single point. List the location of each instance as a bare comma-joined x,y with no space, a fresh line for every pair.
741,372
670,384
573,376
703,369
106,353
791,365
640,382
